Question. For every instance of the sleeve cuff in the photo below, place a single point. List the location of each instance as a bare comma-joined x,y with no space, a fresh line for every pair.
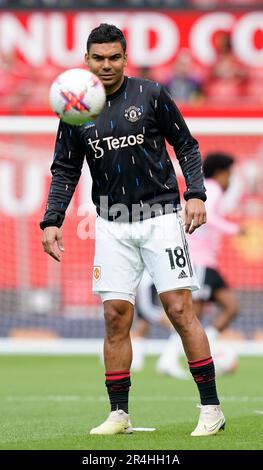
48,223
195,195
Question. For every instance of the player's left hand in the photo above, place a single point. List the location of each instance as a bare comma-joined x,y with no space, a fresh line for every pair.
195,215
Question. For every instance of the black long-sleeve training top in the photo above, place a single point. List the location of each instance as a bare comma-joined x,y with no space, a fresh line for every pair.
125,150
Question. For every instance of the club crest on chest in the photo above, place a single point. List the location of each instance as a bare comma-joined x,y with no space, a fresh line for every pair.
132,114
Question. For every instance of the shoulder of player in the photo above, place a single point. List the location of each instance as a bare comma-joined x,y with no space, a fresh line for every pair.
72,135
144,84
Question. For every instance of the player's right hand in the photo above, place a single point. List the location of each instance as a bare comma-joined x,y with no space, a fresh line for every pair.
52,242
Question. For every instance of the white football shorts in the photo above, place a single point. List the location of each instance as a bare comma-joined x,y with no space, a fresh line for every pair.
123,250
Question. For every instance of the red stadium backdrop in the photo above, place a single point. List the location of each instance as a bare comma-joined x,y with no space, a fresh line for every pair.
35,46
154,38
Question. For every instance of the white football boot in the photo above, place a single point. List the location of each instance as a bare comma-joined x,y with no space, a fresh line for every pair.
211,420
118,422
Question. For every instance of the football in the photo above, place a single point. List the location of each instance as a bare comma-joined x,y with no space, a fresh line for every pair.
77,96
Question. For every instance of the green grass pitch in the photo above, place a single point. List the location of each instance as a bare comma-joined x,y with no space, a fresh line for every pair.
52,402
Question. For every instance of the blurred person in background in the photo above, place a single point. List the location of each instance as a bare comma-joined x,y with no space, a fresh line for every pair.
227,80
205,246
185,82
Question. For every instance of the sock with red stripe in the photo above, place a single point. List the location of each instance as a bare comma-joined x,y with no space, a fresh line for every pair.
118,384
203,372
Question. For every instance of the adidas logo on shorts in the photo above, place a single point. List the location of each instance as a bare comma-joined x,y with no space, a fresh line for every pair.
182,274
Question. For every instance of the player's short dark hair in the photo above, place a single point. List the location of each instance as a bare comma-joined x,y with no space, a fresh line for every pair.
215,162
106,33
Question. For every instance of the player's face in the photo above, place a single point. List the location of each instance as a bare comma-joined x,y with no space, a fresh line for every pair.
107,61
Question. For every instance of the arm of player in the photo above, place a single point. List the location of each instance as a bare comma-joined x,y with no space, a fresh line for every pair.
187,152
66,170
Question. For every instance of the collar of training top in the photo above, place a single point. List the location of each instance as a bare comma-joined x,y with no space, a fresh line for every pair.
119,91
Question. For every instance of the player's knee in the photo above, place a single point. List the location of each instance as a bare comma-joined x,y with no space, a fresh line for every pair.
177,313
115,321
112,316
